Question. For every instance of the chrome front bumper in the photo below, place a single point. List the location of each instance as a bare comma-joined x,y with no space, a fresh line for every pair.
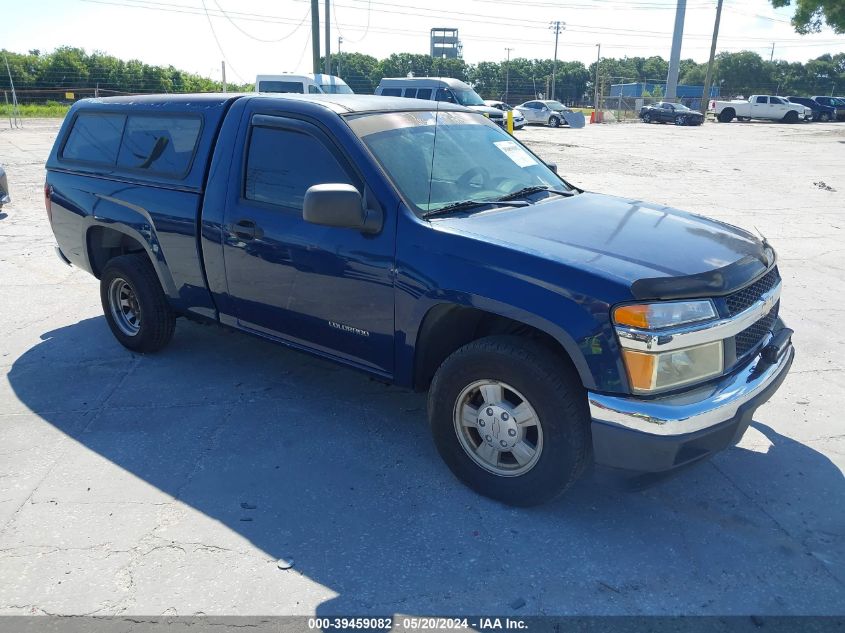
697,409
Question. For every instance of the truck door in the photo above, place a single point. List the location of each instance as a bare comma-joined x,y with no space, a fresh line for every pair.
324,288
760,108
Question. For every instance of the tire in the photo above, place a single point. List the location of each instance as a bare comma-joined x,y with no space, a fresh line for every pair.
528,373
824,117
680,120
134,304
791,117
646,118
554,121
727,115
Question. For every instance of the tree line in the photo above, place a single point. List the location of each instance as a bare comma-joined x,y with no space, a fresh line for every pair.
521,79
73,68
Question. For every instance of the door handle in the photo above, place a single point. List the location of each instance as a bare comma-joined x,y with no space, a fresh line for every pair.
247,230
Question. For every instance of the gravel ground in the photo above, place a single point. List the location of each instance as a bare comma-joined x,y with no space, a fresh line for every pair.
172,484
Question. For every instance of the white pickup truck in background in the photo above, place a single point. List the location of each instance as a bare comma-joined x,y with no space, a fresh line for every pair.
760,107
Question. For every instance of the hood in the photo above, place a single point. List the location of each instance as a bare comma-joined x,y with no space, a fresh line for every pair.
493,113
657,251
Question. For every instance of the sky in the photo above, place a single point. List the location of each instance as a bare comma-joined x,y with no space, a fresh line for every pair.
266,37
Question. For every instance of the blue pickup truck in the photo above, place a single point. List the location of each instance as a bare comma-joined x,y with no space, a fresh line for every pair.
553,328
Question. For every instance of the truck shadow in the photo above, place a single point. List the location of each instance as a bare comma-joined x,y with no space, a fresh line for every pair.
310,461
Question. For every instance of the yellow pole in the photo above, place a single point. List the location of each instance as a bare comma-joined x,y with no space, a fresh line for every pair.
510,122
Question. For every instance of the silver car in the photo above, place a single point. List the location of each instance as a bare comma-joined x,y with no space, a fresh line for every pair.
518,118
4,188
543,112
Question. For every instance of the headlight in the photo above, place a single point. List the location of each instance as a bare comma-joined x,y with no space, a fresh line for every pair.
649,372
658,371
653,316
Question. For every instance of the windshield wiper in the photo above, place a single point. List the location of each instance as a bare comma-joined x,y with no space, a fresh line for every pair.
471,204
527,191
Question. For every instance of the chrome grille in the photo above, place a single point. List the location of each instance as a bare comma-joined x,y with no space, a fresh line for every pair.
751,336
743,299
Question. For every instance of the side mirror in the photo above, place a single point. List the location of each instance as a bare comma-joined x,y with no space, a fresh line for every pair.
552,166
340,205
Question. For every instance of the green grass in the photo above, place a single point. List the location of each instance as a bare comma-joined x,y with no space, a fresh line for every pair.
31,110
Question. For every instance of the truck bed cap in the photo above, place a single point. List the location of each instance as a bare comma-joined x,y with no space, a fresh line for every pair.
341,104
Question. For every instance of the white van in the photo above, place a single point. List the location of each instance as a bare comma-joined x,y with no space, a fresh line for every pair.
302,84
438,89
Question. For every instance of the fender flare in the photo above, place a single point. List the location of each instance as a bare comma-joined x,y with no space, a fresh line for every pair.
138,226
508,311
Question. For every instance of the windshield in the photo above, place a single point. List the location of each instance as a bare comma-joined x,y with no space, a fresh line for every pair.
468,97
557,106
437,159
336,89
681,107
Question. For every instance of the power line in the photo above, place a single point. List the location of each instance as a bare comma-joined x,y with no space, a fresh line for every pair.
366,29
259,39
458,15
211,26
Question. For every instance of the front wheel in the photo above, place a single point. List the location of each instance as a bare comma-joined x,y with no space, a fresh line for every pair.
646,118
510,419
554,121
680,120
791,117
134,304
824,117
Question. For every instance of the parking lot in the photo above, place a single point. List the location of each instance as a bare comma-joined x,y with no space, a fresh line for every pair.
174,483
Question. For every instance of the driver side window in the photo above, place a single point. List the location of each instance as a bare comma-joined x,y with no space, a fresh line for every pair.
444,94
281,164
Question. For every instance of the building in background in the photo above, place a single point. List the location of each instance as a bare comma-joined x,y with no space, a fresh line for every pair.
445,43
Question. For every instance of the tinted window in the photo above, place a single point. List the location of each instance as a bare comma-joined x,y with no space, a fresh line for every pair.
762,99
775,100
159,143
280,86
392,92
424,93
313,90
443,94
282,164
95,138
411,93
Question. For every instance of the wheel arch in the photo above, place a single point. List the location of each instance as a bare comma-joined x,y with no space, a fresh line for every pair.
446,327
104,243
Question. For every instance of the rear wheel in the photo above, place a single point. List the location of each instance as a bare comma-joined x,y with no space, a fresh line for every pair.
510,420
824,117
134,304
727,115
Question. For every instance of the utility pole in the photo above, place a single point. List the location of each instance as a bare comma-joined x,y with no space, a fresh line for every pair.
328,20
557,26
507,73
223,71
596,102
675,57
708,77
315,35
772,56
339,42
